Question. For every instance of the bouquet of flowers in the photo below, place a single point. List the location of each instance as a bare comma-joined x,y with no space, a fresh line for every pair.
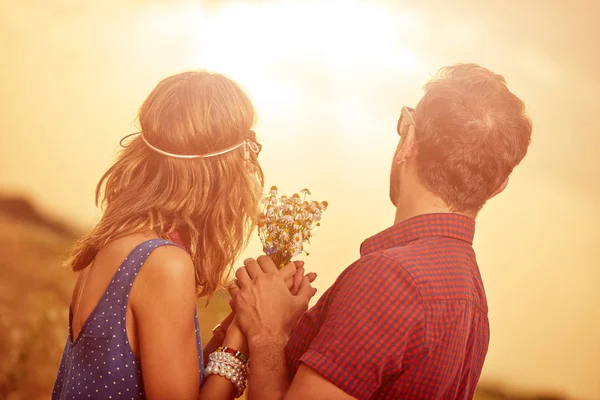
286,223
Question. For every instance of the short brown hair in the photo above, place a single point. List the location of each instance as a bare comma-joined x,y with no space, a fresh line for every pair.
212,202
471,132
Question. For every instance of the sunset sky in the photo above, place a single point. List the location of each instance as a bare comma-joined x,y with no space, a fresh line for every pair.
328,79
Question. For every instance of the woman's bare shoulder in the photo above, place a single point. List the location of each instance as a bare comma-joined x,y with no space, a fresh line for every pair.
168,268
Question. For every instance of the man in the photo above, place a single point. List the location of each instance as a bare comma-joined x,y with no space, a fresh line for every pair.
408,320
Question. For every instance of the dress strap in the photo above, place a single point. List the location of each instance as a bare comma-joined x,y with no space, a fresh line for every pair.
122,282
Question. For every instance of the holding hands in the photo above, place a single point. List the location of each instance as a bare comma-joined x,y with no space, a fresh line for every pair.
267,301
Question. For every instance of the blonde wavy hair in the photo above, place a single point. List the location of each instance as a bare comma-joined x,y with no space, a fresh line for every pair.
212,203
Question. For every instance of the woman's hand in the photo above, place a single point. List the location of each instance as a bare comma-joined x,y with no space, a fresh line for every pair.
295,282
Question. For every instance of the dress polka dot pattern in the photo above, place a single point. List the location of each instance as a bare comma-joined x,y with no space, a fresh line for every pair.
100,363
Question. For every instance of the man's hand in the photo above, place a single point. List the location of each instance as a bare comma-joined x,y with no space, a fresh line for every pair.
292,274
264,306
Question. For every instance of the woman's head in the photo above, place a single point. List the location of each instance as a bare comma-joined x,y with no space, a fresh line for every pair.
211,201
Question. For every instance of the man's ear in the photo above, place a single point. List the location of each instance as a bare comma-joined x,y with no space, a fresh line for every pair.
500,188
407,146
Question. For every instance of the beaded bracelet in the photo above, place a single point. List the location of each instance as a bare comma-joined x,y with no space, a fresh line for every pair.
229,366
233,374
236,353
219,356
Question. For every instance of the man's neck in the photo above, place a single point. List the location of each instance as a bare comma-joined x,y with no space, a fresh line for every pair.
419,204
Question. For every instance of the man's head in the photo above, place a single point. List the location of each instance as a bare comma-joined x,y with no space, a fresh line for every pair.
462,141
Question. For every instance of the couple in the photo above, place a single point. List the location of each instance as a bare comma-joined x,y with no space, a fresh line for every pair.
408,320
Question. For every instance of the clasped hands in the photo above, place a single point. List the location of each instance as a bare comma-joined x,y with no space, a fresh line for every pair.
268,302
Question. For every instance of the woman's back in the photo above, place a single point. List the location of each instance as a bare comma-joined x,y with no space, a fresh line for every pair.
100,358
191,169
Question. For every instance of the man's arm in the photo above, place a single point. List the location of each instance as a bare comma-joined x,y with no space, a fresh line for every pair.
267,312
309,384
270,379
268,375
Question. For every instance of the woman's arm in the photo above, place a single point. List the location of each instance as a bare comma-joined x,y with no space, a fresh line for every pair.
218,337
163,302
218,387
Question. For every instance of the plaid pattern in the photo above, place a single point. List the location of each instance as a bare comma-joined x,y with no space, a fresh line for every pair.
408,320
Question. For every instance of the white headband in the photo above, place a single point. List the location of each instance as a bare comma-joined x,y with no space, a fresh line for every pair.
249,145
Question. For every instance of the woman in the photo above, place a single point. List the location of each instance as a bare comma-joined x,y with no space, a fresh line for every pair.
179,205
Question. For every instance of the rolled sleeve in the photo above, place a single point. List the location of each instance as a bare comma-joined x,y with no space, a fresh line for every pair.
367,326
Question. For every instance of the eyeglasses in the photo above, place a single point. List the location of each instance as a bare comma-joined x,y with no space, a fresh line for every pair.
405,121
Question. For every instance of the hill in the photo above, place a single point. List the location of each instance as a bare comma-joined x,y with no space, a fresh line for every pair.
35,290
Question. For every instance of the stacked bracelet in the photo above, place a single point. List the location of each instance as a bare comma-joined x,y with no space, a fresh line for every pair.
238,354
223,362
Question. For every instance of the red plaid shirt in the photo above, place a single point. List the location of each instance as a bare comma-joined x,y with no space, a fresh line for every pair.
408,320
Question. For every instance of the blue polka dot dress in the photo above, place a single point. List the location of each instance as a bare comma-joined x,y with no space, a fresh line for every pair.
100,363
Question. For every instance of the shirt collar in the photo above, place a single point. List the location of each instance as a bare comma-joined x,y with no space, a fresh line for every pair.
456,226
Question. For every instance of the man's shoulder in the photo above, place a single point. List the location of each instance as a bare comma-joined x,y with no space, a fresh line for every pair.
401,259
435,267
376,273
442,269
